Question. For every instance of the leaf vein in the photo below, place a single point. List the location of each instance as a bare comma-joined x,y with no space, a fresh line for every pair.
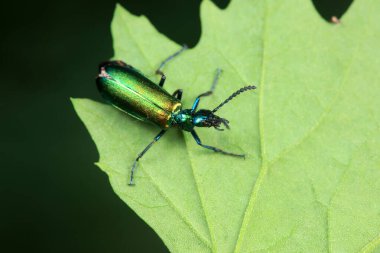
150,178
264,168
322,117
371,246
174,207
213,243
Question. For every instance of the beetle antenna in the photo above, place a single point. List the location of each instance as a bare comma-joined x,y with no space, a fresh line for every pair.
241,90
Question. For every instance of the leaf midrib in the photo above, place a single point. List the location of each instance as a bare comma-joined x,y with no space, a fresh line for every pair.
265,164
263,168
213,243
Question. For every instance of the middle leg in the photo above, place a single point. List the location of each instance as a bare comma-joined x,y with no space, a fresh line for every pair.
210,92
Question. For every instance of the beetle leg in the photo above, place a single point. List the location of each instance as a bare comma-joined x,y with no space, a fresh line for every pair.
159,70
162,80
208,93
142,153
178,94
196,138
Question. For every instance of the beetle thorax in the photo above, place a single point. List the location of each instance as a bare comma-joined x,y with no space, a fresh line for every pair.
183,119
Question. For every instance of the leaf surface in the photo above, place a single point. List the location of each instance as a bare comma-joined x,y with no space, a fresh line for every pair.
311,179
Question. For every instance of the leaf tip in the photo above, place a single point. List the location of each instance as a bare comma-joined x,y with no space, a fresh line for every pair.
78,103
73,101
121,12
119,8
208,4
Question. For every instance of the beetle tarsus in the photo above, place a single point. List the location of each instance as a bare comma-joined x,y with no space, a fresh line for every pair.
131,183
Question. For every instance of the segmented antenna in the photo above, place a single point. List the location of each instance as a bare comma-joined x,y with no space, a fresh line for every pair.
246,88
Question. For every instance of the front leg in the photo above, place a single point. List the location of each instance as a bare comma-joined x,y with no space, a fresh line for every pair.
198,140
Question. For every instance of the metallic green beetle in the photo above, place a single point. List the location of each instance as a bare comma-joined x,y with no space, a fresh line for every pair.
130,91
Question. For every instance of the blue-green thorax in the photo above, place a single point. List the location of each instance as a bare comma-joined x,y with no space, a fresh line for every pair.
188,119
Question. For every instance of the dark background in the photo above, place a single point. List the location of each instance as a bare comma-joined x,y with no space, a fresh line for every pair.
52,197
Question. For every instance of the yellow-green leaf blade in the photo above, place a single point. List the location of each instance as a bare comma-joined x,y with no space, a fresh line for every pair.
311,179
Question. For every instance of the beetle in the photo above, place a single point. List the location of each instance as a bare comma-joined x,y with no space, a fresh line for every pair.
127,89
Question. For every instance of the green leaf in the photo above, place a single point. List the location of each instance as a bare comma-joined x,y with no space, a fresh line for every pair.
311,180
